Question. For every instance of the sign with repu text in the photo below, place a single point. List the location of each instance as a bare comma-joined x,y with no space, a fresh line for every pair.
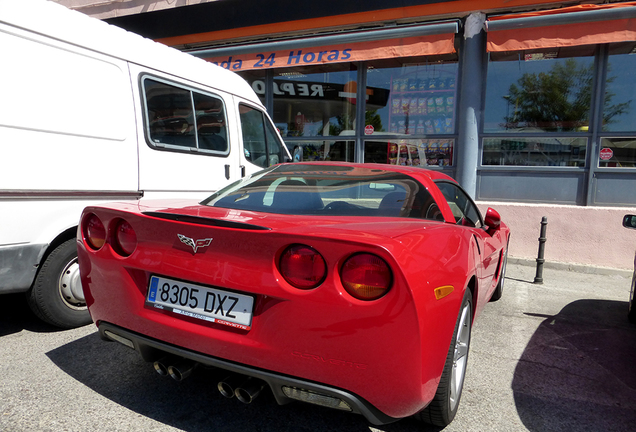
359,51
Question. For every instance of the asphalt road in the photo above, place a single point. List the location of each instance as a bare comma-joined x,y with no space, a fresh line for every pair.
554,357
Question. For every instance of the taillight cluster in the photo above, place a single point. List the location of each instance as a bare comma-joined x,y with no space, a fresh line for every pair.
122,238
364,276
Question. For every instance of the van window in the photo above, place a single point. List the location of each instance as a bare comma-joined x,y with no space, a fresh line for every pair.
261,144
183,119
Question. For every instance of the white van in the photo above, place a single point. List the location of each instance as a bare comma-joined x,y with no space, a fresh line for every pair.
91,113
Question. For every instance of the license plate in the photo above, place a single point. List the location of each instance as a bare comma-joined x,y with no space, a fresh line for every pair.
204,303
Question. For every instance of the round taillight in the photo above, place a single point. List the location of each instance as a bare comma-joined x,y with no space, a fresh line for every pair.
125,238
302,267
94,232
366,276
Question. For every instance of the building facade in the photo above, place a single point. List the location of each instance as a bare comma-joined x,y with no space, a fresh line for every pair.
531,104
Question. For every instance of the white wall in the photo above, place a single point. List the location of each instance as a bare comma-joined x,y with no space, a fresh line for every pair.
579,235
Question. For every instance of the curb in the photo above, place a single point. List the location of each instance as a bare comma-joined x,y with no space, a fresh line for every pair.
578,268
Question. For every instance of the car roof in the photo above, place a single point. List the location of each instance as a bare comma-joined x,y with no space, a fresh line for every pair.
408,170
56,21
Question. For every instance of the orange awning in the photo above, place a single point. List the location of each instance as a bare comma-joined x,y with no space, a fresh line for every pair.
565,27
360,51
409,41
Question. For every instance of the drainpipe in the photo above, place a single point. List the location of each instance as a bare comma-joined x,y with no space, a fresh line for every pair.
470,101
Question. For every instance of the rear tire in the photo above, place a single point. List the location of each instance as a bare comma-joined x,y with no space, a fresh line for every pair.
51,297
442,409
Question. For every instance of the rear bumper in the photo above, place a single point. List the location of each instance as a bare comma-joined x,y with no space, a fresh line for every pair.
152,349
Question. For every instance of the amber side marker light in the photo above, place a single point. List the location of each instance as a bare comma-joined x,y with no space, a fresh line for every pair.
443,291
94,231
366,276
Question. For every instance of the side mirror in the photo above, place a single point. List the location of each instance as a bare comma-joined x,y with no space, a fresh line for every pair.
629,221
493,220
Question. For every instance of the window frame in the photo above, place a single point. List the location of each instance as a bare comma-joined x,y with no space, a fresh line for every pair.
267,124
469,201
192,91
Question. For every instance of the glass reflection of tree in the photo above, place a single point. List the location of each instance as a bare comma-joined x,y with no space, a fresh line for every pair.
558,100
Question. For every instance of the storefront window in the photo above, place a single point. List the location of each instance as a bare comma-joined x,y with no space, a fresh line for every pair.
342,151
256,78
540,151
617,153
316,100
411,96
619,110
410,152
539,91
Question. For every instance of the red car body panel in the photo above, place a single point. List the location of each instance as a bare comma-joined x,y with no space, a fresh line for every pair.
389,351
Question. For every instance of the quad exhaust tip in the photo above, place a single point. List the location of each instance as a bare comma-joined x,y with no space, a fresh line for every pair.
249,390
246,389
175,367
182,369
228,384
162,365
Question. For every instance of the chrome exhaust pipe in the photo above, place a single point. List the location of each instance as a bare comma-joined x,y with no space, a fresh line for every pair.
228,384
162,365
248,390
182,369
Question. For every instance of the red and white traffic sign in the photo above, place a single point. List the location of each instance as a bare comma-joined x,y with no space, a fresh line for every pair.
606,153
368,129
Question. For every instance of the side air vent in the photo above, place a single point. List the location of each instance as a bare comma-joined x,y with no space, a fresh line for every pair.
206,221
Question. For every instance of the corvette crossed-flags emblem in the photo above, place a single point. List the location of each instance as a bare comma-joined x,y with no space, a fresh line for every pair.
194,244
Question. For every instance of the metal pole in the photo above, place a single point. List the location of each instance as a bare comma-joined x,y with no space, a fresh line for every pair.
472,77
538,279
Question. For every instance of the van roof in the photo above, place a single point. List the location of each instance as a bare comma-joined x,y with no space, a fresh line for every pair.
56,21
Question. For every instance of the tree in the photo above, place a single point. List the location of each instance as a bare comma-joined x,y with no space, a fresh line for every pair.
558,100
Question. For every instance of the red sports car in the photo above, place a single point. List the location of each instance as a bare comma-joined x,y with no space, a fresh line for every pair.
348,286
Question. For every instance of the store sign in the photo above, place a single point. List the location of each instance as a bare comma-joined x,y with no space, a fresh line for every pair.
359,51
299,90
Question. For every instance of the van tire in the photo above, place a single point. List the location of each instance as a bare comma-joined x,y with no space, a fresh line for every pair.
46,298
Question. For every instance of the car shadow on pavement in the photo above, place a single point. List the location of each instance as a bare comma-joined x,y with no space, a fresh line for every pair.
16,316
119,374
578,370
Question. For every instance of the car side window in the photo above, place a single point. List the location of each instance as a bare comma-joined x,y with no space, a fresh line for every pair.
260,141
181,119
464,210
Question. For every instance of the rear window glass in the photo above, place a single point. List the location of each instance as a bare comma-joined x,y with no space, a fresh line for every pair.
306,189
178,118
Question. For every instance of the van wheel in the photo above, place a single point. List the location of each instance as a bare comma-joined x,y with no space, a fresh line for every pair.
56,296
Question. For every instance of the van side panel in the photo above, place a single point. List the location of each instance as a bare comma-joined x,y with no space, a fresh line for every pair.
69,110
67,140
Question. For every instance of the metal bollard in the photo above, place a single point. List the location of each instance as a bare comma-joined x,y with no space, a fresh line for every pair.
538,279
